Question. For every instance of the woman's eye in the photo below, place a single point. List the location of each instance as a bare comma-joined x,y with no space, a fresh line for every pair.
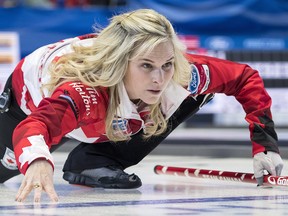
147,66
167,66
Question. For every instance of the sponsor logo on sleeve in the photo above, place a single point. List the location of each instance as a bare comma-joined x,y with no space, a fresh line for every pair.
195,80
200,79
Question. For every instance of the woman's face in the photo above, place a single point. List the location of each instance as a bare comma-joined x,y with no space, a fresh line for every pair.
148,75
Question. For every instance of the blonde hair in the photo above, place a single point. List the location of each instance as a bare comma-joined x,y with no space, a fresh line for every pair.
106,61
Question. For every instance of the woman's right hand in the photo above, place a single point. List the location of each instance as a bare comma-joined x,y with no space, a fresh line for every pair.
38,177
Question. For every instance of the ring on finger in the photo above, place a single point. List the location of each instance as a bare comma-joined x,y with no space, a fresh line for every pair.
36,185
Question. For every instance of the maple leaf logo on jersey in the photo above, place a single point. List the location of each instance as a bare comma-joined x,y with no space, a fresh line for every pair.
8,160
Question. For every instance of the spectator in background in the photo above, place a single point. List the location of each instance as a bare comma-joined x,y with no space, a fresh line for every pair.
61,3
27,3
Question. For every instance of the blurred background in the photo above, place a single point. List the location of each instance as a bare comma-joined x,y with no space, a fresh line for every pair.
248,31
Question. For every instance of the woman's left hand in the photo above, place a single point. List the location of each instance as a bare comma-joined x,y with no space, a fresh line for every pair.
38,177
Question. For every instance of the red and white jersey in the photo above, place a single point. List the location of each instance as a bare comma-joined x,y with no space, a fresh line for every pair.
78,111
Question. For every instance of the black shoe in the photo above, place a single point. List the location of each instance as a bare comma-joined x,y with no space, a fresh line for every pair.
104,177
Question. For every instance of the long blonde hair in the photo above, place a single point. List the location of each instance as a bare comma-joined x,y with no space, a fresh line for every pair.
106,61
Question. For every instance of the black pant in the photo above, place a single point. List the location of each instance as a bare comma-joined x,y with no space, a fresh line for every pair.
8,121
128,153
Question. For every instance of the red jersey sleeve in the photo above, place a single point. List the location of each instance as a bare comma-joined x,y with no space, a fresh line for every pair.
212,75
71,105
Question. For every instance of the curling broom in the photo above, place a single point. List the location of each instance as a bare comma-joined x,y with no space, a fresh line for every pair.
268,180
